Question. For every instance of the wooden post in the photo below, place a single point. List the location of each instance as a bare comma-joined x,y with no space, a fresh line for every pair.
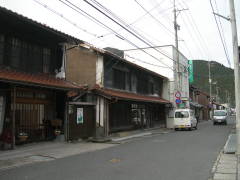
13,117
66,121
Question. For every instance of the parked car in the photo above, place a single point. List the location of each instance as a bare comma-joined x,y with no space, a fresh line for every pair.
184,119
220,117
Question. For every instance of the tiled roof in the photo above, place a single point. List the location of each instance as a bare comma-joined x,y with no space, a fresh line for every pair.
43,80
129,96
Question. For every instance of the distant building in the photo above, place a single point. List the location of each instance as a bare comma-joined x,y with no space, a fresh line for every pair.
200,103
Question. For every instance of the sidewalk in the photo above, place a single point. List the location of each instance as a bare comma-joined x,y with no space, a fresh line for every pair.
227,164
45,151
126,135
225,168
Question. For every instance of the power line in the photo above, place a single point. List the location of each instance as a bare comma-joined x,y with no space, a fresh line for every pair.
87,15
66,19
192,36
153,17
224,39
201,38
134,34
152,64
74,24
195,31
132,31
190,53
221,37
139,18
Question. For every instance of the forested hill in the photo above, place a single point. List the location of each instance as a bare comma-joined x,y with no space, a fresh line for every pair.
221,75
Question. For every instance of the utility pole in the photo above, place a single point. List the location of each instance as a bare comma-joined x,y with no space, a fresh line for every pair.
217,95
178,86
210,87
227,97
236,70
176,28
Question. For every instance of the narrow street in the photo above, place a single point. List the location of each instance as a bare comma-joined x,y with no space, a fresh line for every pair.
181,155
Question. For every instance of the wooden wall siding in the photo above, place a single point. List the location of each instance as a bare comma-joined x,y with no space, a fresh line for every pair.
119,75
130,115
35,110
85,130
120,116
81,66
29,119
203,99
29,56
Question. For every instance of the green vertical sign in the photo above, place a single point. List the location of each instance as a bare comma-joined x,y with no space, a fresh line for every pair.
190,71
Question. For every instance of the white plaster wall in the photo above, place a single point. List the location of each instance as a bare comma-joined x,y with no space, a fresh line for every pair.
100,112
184,86
166,89
170,119
99,71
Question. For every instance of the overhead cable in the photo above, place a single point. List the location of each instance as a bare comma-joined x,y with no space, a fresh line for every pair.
87,15
221,36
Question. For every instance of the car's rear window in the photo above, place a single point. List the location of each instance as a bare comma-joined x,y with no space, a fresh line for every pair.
220,113
181,114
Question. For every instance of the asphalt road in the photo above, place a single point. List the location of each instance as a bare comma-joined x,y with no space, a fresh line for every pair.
181,155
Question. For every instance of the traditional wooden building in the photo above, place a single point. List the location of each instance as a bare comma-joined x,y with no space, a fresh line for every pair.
33,89
200,103
125,95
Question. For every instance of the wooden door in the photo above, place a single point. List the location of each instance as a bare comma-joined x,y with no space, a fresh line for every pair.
81,122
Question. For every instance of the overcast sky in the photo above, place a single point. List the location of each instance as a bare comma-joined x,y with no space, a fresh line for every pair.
198,34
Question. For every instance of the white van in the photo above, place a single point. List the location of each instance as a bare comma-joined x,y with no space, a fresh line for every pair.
220,117
184,119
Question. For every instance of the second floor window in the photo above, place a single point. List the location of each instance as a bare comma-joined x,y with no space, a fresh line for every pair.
15,50
142,84
119,79
151,87
46,60
1,48
25,56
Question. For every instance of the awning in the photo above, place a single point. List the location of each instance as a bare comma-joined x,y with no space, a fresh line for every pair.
110,93
195,104
43,80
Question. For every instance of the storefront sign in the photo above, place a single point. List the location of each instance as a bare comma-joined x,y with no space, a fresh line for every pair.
190,71
79,115
184,98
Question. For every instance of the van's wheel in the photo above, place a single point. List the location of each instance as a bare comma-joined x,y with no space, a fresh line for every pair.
175,129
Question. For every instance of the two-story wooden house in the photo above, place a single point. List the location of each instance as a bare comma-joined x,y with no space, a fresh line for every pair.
125,96
32,97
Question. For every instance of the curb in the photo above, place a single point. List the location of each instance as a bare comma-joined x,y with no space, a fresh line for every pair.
230,145
132,136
